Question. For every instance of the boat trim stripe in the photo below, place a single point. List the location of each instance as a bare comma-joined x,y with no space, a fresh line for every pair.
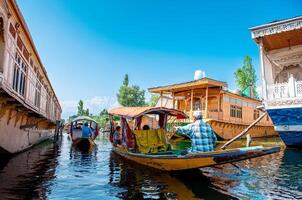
288,128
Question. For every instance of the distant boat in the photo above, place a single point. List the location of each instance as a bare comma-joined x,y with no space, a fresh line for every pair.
75,133
280,45
151,147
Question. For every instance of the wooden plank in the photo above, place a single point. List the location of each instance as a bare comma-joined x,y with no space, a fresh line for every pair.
191,103
206,109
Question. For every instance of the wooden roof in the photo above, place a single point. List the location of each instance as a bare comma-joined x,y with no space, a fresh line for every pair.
135,112
279,34
202,83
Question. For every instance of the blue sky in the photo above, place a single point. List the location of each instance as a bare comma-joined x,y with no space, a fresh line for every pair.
88,46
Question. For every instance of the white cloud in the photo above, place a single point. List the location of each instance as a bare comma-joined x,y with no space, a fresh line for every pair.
95,105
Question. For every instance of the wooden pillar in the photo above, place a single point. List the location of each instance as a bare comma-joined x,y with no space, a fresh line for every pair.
173,100
206,110
191,104
263,74
161,99
219,104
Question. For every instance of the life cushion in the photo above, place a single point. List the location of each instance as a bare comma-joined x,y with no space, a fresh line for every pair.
151,141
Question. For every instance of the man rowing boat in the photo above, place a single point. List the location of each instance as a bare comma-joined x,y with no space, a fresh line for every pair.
201,134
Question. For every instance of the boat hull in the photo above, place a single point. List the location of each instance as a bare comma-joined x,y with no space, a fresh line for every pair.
84,144
193,161
288,124
227,130
13,139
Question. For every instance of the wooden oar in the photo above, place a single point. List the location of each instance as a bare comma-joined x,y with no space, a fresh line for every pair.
244,131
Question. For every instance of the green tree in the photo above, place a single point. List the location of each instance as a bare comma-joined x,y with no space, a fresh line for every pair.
130,96
153,100
86,112
126,80
104,112
81,110
246,78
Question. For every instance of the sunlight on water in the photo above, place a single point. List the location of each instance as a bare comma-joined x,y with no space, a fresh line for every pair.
59,171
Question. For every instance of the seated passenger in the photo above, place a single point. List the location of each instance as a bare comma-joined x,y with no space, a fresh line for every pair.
86,131
201,134
146,127
116,136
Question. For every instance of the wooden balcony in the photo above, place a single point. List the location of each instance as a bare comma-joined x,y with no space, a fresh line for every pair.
289,90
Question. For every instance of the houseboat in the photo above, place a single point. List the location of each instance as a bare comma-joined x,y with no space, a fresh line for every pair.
280,45
227,112
29,108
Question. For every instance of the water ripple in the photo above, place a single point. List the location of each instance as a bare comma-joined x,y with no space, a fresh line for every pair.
59,171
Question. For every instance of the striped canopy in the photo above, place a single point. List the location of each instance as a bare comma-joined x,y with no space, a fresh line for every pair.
135,112
83,118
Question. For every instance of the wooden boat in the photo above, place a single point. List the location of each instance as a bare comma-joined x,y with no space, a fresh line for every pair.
158,154
75,133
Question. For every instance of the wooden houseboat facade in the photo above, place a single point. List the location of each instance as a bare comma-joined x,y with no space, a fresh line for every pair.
29,108
227,112
280,46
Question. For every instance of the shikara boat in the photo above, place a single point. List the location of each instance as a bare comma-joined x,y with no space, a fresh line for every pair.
151,147
75,133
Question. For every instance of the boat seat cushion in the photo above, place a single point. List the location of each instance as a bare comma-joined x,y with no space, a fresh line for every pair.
151,141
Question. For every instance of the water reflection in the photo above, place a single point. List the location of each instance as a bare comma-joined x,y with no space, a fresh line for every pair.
26,175
273,176
140,182
61,172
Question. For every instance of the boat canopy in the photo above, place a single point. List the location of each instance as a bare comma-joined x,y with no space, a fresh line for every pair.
83,118
135,112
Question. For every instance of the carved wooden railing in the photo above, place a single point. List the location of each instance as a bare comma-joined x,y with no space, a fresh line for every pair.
285,90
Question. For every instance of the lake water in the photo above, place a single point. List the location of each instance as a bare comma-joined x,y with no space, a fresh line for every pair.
58,171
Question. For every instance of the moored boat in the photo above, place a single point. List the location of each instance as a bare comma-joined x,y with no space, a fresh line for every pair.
227,112
152,148
75,133
280,45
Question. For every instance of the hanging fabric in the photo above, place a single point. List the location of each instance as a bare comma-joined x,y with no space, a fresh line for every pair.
162,121
128,139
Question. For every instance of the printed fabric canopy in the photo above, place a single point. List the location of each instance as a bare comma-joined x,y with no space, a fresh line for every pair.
83,118
135,112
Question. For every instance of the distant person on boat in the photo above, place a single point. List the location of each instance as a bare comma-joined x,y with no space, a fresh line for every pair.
201,134
116,136
86,131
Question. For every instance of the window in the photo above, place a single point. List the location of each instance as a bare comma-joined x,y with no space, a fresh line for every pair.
38,95
47,105
236,111
19,79
256,114
239,112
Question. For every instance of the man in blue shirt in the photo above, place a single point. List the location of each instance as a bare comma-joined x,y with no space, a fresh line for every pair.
86,131
201,134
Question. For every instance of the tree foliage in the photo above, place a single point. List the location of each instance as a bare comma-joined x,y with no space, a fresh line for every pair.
81,110
130,96
246,77
153,100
